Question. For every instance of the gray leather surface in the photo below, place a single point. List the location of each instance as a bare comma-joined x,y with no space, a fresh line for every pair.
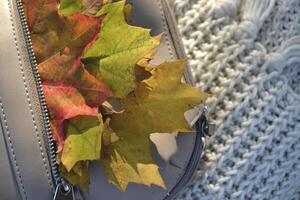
148,14
8,189
20,124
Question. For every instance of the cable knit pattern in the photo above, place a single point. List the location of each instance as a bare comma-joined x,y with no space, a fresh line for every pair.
247,54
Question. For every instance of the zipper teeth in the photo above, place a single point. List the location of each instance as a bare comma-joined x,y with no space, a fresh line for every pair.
50,141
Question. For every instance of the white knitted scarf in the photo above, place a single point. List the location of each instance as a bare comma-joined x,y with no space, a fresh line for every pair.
247,54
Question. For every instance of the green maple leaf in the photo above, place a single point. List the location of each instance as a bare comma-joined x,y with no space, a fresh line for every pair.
83,140
119,46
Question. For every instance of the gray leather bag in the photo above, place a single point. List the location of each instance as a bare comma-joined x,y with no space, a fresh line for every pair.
27,167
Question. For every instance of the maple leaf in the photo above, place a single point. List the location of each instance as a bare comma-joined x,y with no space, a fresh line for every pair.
83,140
87,7
52,33
58,44
158,105
64,102
119,46
93,90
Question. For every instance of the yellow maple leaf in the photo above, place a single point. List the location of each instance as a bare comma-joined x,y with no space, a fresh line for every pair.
157,105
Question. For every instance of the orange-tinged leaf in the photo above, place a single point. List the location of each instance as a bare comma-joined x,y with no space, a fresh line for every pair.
59,43
94,91
64,102
52,33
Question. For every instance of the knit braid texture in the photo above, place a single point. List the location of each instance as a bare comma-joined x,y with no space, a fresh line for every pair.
247,54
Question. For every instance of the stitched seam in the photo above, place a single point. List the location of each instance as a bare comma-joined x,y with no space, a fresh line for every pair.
27,95
12,149
165,29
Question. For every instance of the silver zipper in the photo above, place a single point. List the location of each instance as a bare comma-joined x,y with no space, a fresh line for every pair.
51,145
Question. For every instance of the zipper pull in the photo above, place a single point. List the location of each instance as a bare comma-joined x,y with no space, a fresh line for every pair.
64,191
204,125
